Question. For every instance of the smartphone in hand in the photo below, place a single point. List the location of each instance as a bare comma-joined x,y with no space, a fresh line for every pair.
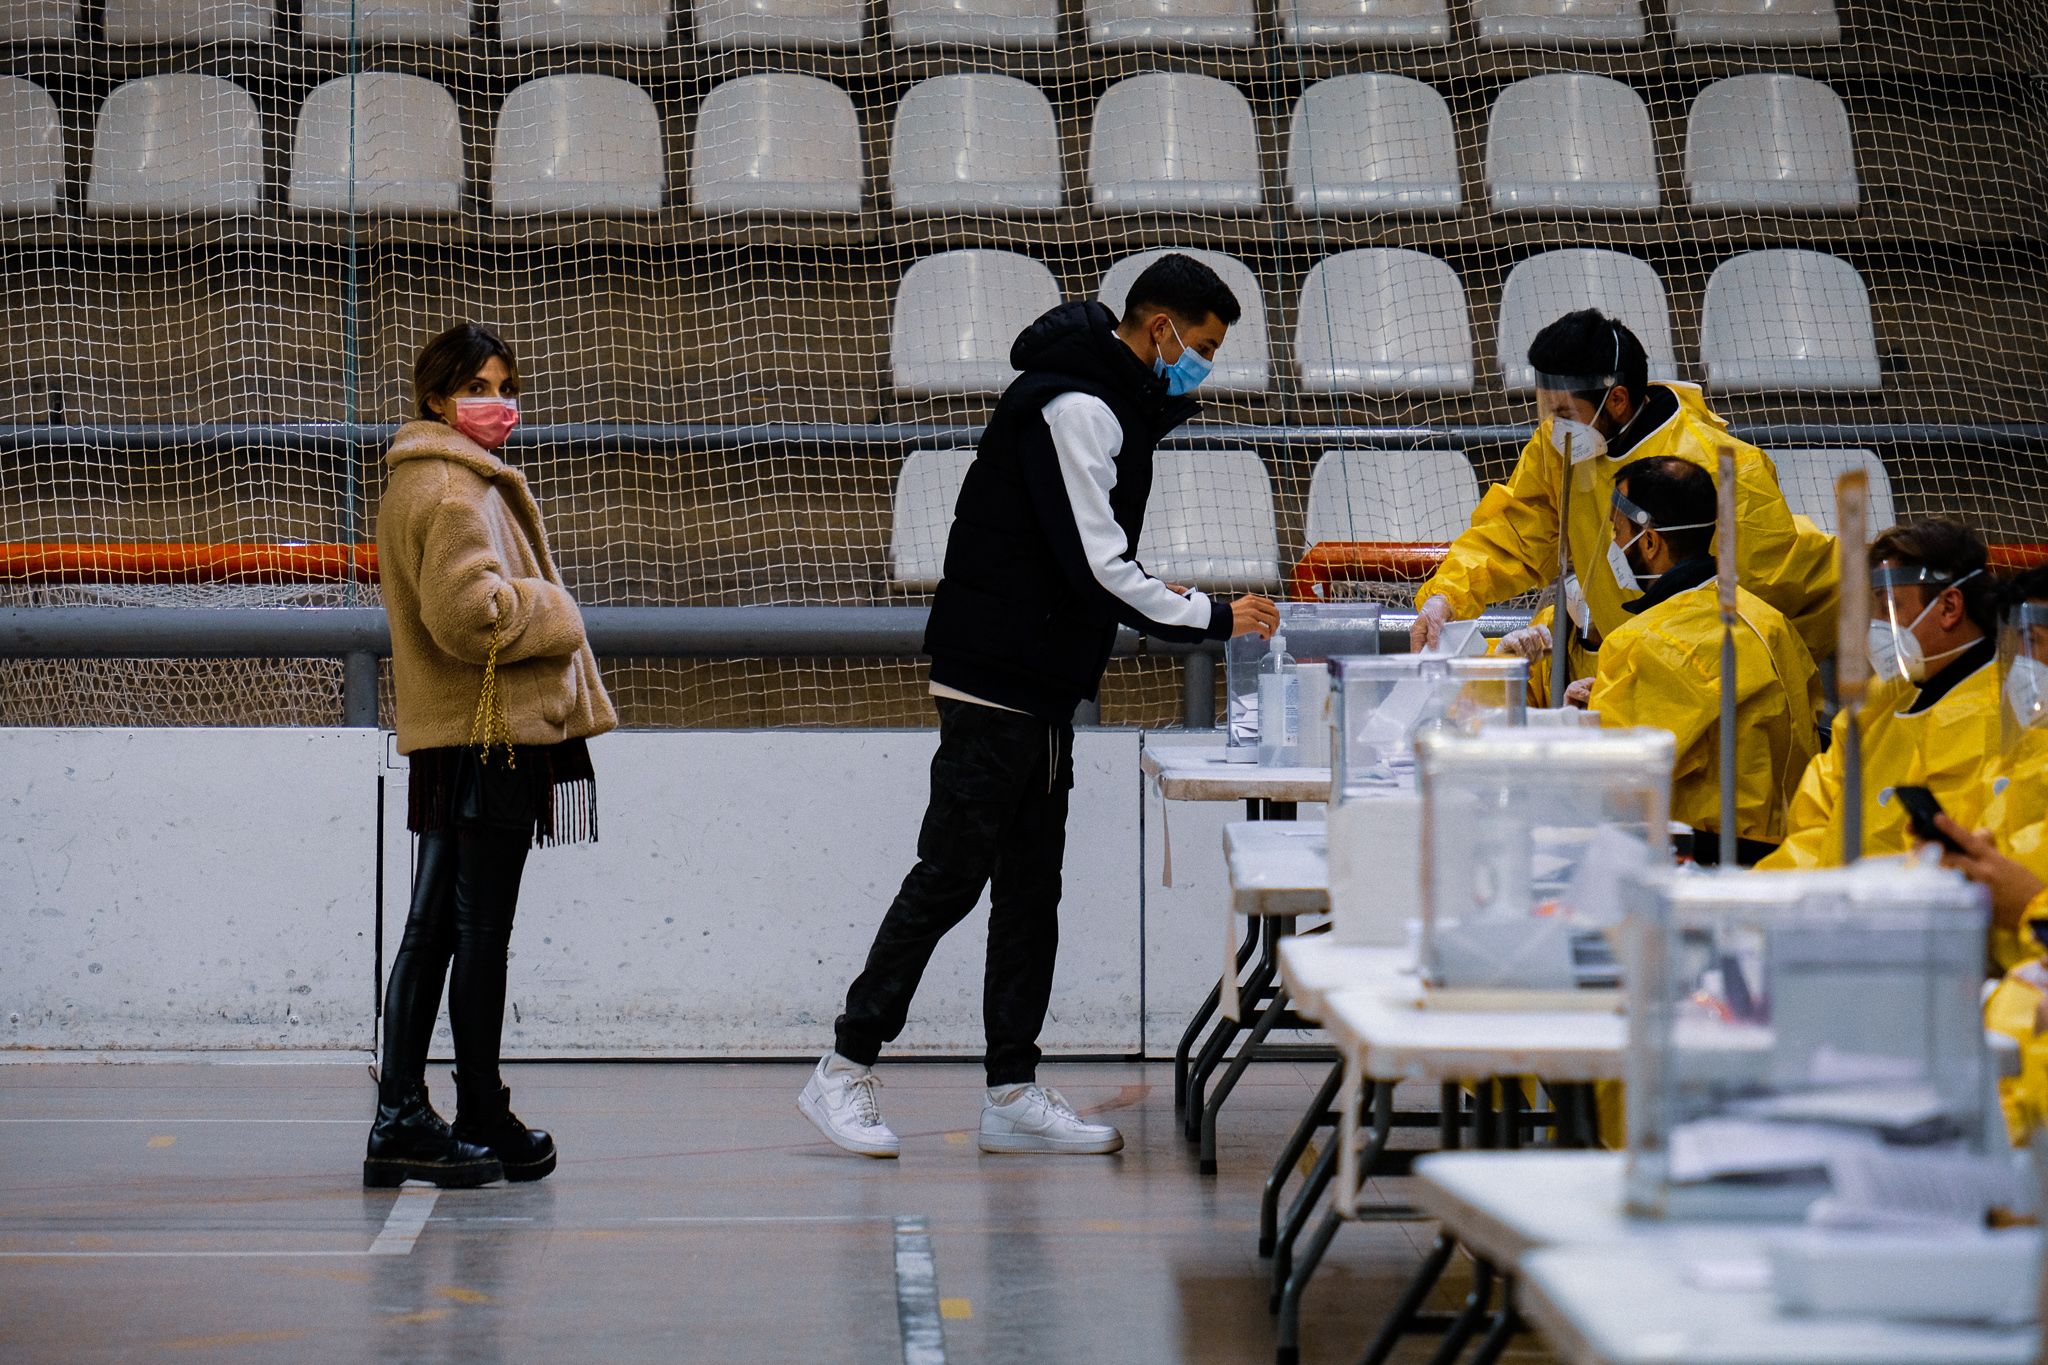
1921,808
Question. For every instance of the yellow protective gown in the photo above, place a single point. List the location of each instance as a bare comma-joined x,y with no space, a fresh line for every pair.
1663,669
2017,816
1946,748
2012,1009
1511,546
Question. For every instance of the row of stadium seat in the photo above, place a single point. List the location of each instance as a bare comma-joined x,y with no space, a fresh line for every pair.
1160,142
1212,521
1389,321
1024,23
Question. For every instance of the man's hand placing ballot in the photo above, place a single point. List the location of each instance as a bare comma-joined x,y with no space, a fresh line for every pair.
1430,621
1254,615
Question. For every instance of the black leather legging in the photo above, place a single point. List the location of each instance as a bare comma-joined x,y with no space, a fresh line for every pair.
464,892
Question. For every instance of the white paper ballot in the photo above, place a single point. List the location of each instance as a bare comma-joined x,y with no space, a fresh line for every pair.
1713,1149
1881,1187
1881,1107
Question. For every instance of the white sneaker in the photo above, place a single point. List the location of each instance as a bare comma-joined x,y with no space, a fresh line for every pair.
1032,1118
840,1100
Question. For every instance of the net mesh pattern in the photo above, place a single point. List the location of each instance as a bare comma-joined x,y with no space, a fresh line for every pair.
761,264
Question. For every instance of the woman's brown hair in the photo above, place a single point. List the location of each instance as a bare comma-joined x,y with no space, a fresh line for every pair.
451,359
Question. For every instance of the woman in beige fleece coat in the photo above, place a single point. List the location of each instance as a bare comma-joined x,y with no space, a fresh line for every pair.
497,690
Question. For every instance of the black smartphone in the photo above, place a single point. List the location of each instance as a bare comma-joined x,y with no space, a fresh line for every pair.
1921,808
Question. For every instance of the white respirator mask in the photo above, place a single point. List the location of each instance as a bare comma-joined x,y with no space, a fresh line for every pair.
2026,691
1895,651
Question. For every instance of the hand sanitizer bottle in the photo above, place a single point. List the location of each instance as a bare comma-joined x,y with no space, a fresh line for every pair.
1279,707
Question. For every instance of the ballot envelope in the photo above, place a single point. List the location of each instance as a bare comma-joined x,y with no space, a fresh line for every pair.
1526,837
1316,632
1809,1045
1379,705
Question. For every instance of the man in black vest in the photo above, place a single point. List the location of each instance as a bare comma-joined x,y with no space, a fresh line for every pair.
1040,570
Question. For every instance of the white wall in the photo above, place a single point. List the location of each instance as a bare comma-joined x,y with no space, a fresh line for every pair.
182,889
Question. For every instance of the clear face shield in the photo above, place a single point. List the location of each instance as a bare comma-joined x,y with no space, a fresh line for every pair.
2023,679
1895,651
1584,439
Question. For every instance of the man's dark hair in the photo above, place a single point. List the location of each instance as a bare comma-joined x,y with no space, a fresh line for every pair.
452,360
2031,586
1674,492
1183,286
1949,547
1590,343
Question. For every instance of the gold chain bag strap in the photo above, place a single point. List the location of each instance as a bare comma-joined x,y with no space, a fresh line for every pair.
490,728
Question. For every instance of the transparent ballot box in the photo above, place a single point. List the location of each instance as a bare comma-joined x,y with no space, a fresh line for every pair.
1378,706
1801,1035
1312,634
1527,836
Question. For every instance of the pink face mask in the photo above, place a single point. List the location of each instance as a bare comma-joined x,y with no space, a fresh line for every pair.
487,421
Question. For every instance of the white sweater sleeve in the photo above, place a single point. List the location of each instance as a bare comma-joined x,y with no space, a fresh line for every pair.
1087,438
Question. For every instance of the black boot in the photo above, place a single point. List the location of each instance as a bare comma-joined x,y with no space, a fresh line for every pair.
485,1118
409,1141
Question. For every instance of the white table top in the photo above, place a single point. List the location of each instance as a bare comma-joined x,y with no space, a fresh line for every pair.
1200,773
1315,967
1278,867
1395,1039
1634,1304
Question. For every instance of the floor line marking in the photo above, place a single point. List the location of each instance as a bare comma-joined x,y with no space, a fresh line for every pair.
408,1217
917,1295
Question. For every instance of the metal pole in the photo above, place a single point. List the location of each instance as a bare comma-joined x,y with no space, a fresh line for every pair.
1560,619
1198,691
1852,657
1724,516
359,690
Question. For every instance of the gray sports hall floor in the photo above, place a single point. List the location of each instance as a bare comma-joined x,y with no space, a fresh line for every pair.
214,1212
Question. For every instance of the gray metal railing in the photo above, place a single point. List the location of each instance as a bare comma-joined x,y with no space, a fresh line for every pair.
360,636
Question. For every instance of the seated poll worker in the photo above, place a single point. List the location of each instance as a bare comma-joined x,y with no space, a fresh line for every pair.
1593,386
1662,666
1930,718
2018,1005
1535,641
1040,570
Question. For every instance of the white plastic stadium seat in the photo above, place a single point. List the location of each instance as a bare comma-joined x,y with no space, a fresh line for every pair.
31,148
405,147
1178,23
977,23
1209,522
1242,362
1808,478
927,488
1575,23
1384,321
385,21
776,144
1407,496
778,23
583,23
1372,144
1170,141
1544,288
578,144
1570,142
974,143
1365,23
181,143
1750,22
1770,144
1788,320
956,315
181,21
28,21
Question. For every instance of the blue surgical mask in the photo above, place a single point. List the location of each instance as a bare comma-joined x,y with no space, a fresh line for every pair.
1185,375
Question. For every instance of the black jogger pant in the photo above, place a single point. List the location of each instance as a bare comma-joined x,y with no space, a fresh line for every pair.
465,889
998,814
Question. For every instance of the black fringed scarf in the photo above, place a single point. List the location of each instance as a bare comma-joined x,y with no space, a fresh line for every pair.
550,787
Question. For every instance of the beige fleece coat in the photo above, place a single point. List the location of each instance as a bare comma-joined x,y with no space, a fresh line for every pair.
459,547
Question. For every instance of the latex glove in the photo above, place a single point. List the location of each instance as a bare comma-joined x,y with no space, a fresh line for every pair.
1578,693
1430,621
1530,642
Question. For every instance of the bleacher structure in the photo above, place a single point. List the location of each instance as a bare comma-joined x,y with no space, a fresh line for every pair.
763,260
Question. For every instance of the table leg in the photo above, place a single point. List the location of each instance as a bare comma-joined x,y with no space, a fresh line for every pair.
1505,1324
1466,1324
1271,935
1511,1114
1288,1333
1451,1121
1317,1117
1305,1201
1250,992
1186,1047
1408,1308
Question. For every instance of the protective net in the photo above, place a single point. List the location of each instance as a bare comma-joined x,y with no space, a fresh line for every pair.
762,260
